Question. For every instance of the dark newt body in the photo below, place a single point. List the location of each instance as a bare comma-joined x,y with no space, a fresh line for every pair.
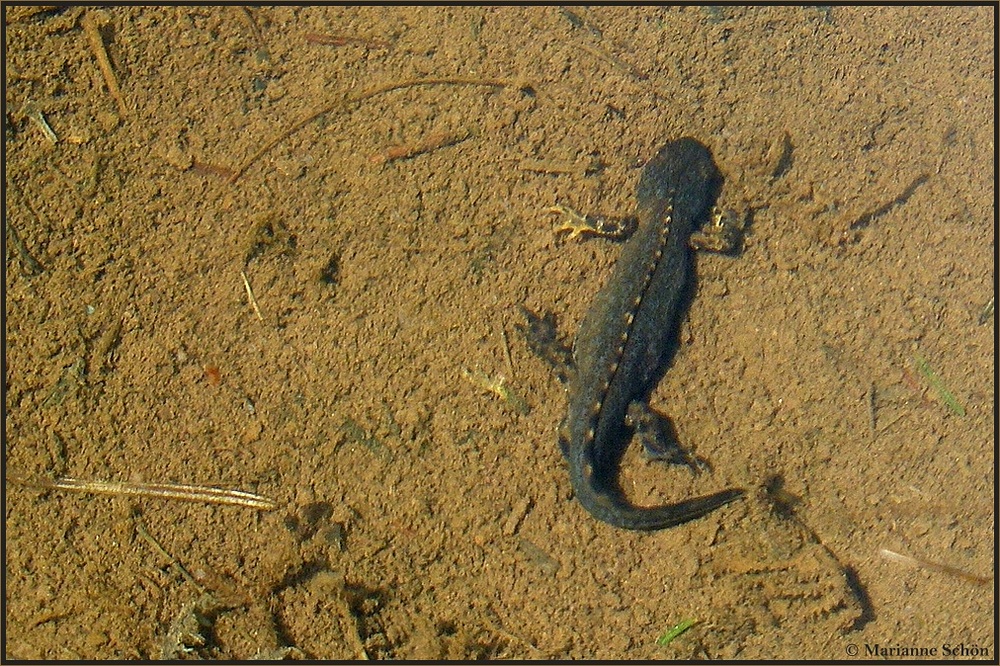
620,347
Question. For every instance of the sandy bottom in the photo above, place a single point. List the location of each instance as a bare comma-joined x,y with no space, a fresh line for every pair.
846,354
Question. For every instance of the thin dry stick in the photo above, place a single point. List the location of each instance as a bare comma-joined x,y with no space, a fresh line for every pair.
175,491
97,45
32,111
934,566
31,265
412,83
431,143
506,350
163,551
253,301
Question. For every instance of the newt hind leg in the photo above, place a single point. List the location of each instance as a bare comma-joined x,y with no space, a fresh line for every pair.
659,439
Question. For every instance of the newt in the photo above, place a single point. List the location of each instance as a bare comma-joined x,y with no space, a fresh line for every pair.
625,338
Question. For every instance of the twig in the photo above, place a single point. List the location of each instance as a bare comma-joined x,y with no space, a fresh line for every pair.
32,111
432,142
987,312
148,538
97,45
934,566
506,350
31,265
368,94
253,301
208,169
175,491
602,53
